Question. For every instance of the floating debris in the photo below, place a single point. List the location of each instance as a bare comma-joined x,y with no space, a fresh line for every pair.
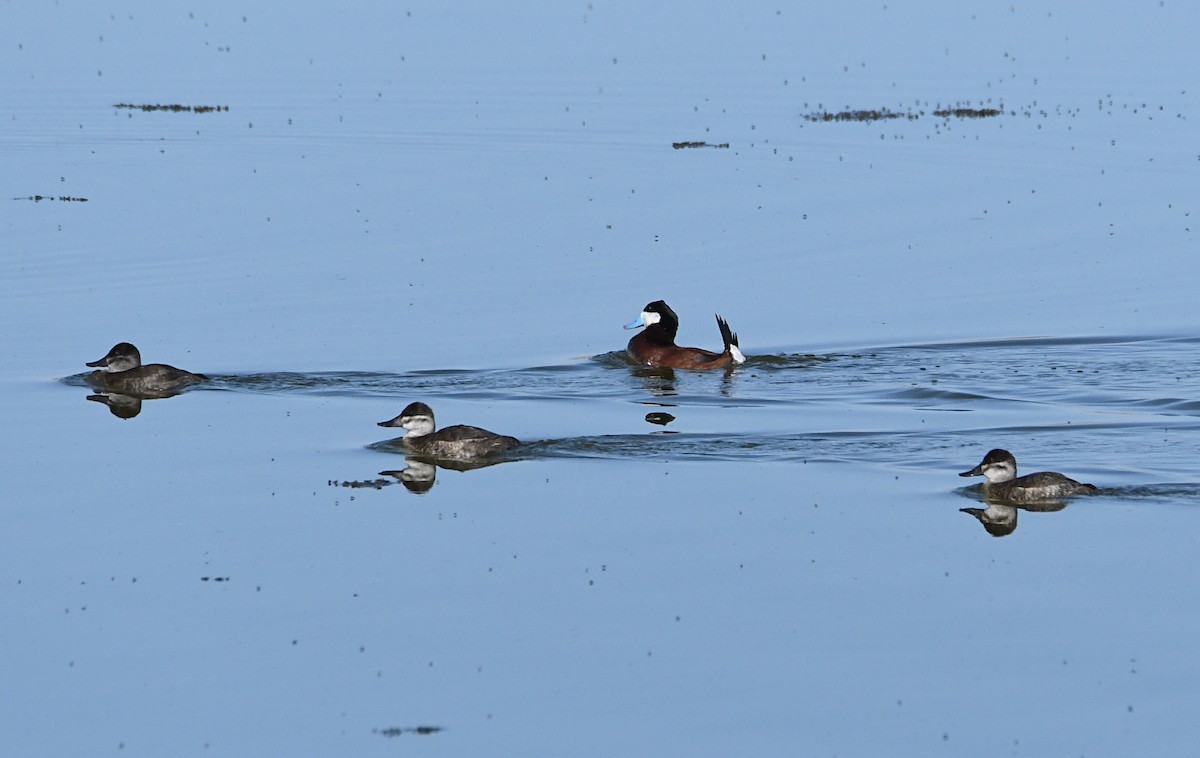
362,483
60,198
174,108
883,114
662,419
396,731
214,579
967,112
682,145
866,115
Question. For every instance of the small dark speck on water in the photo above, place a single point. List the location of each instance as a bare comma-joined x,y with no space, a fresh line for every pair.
396,731
59,198
695,144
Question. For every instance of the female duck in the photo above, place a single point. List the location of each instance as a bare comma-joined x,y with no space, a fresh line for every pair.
122,371
656,346
451,442
1000,468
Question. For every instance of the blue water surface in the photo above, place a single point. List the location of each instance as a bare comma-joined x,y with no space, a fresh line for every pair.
462,205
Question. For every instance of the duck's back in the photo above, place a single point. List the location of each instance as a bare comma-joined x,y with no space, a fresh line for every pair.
461,440
1044,485
153,377
672,356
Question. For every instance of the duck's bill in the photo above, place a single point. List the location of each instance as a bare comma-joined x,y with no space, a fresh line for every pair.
637,323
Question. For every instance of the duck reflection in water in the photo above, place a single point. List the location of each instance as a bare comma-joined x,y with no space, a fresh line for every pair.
659,417
999,518
660,382
656,380
121,406
420,473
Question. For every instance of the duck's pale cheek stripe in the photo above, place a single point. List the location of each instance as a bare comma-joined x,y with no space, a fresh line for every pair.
417,426
649,318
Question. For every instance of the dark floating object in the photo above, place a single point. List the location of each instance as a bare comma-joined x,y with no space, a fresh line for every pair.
376,484
174,108
60,198
884,114
967,112
863,115
662,419
396,731
682,145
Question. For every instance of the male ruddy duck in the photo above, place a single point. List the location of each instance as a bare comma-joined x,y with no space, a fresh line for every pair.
1000,468
656,346
451,442
122,371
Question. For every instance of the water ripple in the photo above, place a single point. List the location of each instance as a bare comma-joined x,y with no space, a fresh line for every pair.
908,405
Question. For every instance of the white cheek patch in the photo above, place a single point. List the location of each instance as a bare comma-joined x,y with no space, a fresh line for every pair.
649,318
736,352
998,473
417,426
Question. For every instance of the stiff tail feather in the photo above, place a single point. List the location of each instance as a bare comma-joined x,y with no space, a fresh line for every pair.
730,338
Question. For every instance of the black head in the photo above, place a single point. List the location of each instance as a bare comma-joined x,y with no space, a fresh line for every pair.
661,323
121,357
997,456
411,412
665,314
417,409
998,466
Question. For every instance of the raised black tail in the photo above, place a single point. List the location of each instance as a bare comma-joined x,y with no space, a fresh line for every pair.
730,338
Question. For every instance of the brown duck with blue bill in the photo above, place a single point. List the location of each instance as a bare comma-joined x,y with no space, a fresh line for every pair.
656,345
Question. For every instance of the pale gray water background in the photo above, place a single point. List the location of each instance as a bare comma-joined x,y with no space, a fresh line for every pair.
462,205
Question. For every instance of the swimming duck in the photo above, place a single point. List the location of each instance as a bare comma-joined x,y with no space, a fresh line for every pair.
451,442
1000,468
122,371
656,346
